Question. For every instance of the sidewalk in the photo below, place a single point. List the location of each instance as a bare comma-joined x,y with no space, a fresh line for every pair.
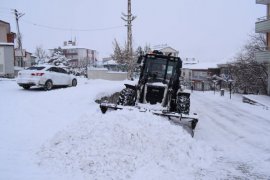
257,99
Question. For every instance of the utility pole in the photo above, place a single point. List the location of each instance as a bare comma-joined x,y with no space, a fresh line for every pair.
128,18
19,37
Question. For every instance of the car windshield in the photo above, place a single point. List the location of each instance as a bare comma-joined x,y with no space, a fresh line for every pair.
156,68
36,68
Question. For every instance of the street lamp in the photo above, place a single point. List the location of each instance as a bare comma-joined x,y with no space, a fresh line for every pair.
215,83
230,86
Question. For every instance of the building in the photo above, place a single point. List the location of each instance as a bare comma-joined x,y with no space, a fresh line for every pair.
167,50
78,56
27,58
6,50
199,75
263,26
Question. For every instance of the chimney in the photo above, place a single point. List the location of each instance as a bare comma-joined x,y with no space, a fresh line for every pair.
65,43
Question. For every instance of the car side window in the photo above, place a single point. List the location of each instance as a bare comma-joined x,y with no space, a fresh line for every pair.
53,69
61,70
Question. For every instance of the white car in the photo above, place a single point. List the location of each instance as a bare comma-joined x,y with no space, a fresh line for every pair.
45,76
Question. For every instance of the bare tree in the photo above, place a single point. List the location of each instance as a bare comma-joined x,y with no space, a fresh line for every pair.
41,54
250,76
122,57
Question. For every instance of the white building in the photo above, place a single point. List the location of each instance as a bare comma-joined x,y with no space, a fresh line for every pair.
78,56
167,50
6,50
263,26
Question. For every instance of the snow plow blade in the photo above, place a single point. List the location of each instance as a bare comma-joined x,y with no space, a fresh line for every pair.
187,121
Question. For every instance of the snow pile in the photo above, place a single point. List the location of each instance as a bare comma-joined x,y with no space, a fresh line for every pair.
62,135
127,145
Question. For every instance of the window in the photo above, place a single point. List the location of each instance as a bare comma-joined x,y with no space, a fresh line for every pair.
53,69
61,70
36,68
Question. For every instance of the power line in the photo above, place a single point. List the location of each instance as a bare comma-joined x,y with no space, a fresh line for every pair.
70,29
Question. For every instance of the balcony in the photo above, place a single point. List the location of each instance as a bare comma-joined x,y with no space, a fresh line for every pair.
263,56
263,2
263,25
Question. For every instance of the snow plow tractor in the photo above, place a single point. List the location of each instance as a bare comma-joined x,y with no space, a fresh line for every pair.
159,83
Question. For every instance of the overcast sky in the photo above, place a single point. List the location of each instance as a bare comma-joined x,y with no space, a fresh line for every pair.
208,30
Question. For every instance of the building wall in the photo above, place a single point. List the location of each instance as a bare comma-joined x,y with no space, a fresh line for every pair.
2,57
80,56
106,75
7,60
3,32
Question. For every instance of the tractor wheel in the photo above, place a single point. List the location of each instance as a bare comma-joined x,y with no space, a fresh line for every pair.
183,103
127,97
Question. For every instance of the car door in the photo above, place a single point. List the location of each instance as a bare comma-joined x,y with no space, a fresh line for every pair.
54,75
65,78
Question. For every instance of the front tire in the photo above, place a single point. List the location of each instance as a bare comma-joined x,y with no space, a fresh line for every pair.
26,87
48,85
183,103
74,82
127,97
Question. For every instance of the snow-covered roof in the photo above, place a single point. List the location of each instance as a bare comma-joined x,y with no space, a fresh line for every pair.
6,44
110,62
73,47
205,65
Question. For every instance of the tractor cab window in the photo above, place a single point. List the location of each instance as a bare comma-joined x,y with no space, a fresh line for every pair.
170,69
156,69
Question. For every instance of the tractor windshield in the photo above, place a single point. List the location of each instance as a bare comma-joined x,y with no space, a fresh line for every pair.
156,69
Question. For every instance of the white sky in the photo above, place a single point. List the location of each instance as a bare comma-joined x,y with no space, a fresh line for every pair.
208,30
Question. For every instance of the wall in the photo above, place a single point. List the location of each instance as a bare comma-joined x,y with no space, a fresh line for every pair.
103,73
3,32
268,91
7,61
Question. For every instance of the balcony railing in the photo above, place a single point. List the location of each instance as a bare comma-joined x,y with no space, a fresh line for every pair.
263,56
263,24
263,2
264,18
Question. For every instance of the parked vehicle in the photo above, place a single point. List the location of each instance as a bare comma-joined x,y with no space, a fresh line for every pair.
46,76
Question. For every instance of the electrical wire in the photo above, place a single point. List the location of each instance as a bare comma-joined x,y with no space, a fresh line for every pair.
71,29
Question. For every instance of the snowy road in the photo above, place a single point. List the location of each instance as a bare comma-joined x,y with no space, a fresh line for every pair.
61,134
241,131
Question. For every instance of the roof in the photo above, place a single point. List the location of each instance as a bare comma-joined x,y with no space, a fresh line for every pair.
73,47
110,62
201,66
3,22
168,49
6,44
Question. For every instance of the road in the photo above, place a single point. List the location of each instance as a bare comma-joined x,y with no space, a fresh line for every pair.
63,130
240,131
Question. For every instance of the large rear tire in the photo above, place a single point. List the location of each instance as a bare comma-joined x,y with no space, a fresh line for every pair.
127,97
183,103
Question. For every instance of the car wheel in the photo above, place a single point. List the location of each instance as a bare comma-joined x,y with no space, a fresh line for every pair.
48,85
74,82
26,86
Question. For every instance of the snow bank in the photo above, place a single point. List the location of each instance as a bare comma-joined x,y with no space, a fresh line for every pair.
61,134
127,145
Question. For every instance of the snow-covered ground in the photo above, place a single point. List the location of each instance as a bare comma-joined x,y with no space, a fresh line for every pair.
61,134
